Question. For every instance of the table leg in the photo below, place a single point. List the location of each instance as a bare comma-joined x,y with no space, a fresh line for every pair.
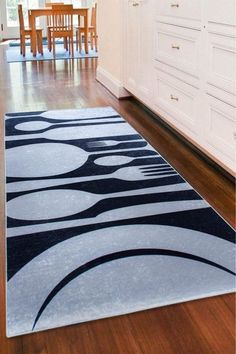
86,33
33,36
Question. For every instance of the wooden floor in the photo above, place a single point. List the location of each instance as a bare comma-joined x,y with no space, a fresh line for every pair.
196,327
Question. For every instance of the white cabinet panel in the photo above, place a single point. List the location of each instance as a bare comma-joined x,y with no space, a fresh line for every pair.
179,47
178,99
132,51
146,48
221,16
139,48
221,11
221,127
221,56
184,10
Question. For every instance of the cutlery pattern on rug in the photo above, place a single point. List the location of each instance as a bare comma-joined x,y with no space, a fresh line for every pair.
82,180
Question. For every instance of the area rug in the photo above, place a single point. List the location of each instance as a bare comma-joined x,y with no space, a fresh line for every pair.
99,224
13,54
16,42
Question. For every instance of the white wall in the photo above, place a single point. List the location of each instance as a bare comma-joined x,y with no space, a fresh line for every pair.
0,28
110,45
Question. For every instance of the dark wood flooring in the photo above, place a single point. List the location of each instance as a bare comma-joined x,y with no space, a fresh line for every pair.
197,327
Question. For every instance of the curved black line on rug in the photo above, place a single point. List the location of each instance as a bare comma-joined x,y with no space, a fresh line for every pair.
119,255
22,249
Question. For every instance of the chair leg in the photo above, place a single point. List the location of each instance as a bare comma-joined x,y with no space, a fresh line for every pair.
80,42
40,42
37,42
53,46
31,48
69,41
91,40
21,39
23,45
76,40
96,41
72,45
49,38
66,43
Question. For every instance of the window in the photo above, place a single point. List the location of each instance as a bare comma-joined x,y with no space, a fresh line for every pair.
12,12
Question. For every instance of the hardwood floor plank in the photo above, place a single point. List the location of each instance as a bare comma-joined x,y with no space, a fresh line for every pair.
197,327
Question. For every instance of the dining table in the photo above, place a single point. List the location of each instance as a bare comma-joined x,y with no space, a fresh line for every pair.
47,11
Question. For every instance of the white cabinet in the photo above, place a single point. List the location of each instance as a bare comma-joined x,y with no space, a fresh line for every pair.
179,100
221,12
138,47
178,47
186,13
220,125
180,59
221,63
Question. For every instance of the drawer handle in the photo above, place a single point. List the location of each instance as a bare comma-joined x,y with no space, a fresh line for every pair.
174,5
135,4
174,98
175,47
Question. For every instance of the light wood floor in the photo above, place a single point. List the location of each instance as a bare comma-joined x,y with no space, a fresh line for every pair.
197,327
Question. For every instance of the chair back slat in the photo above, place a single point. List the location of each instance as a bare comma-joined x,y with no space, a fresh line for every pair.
62,17
50,4
21,17
94,16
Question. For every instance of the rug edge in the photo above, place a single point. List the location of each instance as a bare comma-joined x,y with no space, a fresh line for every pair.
187,299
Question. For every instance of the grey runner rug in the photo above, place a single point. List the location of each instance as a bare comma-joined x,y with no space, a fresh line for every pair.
99,224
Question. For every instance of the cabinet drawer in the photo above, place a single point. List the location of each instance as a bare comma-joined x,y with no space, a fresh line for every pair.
221,127
184,9
178,47
176,98
221,12
221,70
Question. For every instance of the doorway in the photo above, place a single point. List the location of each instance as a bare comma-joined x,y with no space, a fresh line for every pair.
9,14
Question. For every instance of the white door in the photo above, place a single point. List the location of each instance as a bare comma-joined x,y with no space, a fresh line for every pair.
8,19
138,47
9,15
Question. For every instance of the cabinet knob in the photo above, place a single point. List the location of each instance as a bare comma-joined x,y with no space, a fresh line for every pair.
135,4
174,5
174,98
175,47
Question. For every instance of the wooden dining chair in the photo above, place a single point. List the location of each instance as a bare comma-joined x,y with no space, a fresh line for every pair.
92,30
26,32
62,26
49,25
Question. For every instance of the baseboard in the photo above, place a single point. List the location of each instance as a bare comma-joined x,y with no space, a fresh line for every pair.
111,83
210,161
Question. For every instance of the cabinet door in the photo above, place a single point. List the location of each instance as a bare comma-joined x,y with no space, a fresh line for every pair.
131,42
138,47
